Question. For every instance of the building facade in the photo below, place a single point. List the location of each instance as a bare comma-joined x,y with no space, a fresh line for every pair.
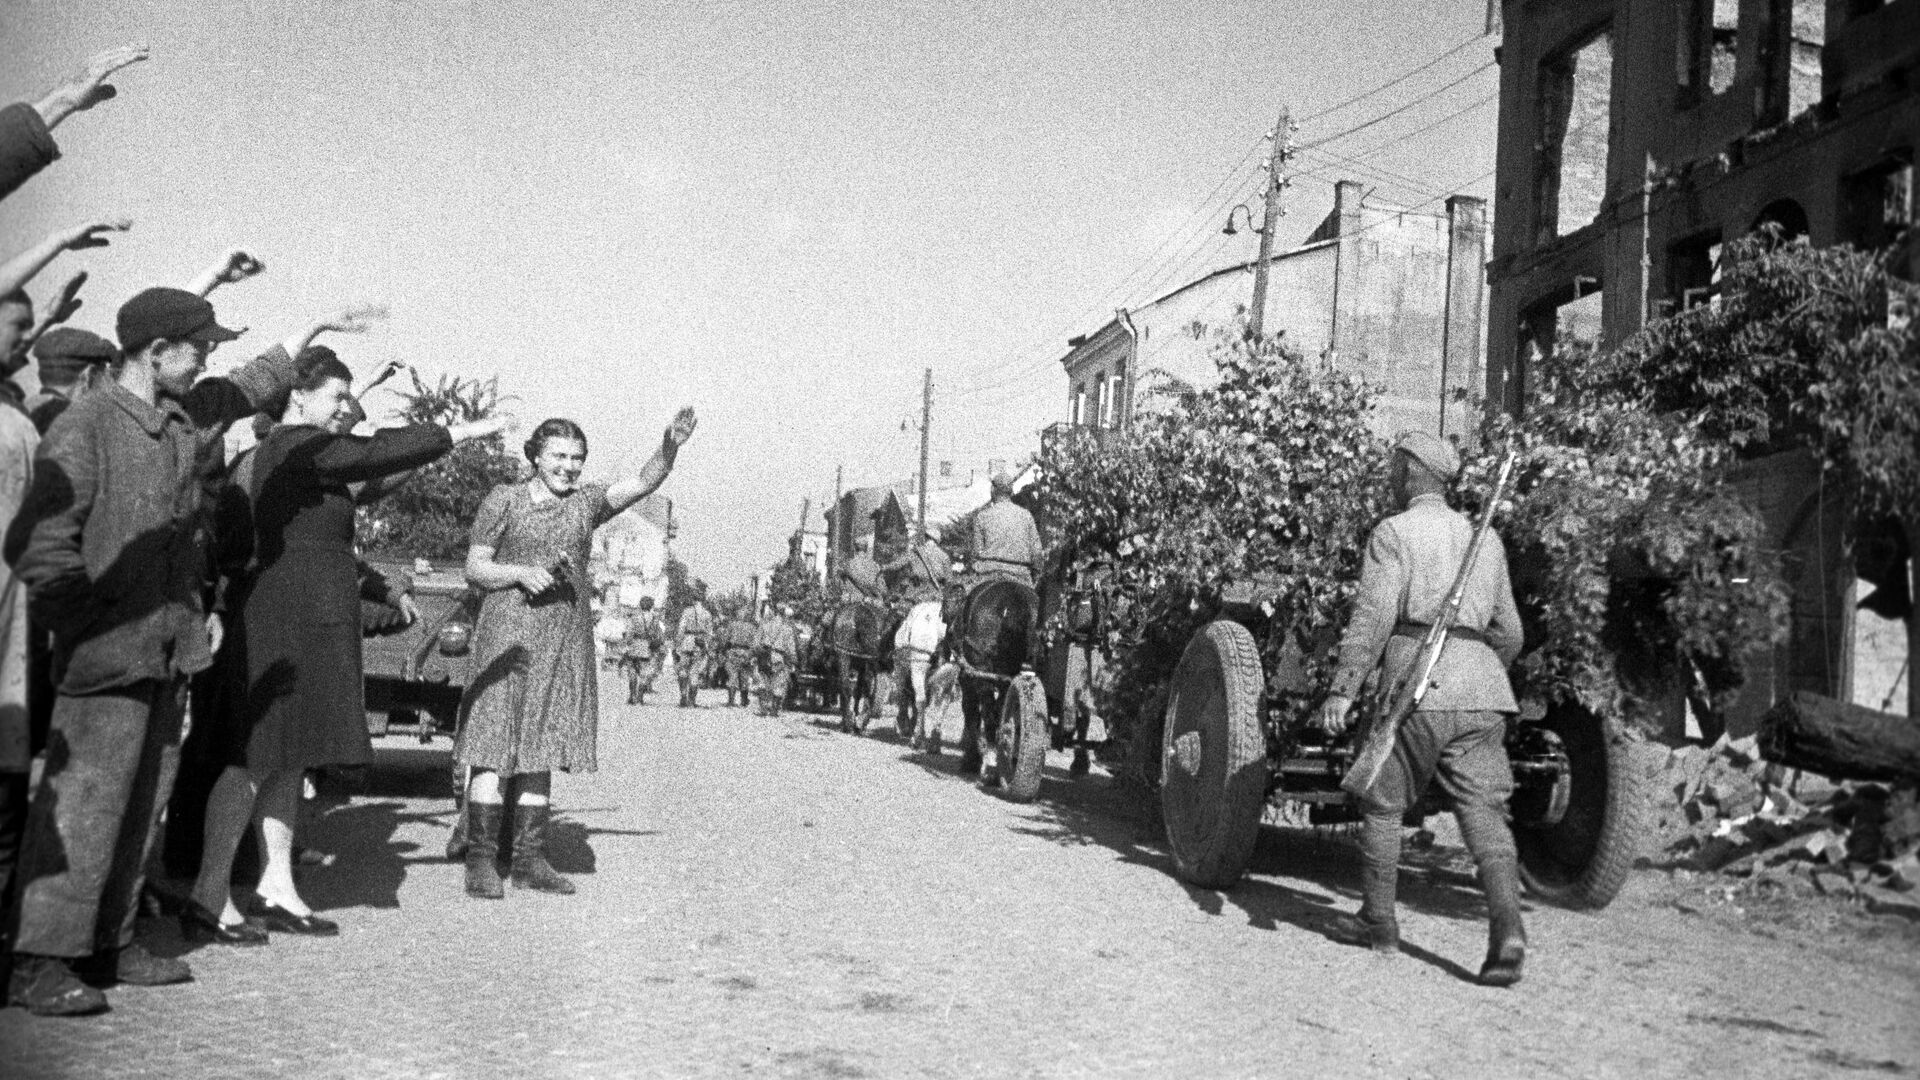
1392,295
1636,136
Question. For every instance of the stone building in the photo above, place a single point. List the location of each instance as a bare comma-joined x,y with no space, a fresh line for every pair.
1391,294
1638,135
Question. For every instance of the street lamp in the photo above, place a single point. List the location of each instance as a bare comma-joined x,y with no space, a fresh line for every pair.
1243,208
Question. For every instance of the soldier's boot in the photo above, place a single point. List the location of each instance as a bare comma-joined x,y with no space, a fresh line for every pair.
1082,764
457,841
483,848
1491,842
1376,927
530,867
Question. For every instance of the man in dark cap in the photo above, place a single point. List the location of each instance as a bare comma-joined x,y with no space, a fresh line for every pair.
111,543
70,362
1457,737
1003,539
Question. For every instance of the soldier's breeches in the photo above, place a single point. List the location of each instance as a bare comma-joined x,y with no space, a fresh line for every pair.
1464,752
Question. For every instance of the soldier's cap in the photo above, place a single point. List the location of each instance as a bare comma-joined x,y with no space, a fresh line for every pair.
1434,453
1002,480
66,350
646,603
163,312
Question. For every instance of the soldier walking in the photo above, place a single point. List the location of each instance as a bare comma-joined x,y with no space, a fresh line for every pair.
775,646
693,639
738,638
1457,736
640,656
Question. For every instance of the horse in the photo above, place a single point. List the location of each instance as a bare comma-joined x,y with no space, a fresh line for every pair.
994,637
916,646
857,631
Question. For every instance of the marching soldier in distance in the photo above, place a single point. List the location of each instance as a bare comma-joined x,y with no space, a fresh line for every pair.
1003,539
776,644
693,642
1457,735
738,638
640,657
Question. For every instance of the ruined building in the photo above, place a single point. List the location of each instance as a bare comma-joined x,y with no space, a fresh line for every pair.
1635,137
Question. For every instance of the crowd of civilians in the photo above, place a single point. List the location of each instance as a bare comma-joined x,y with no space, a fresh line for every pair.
162,604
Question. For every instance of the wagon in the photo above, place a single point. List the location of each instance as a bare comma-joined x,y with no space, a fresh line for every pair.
1228,752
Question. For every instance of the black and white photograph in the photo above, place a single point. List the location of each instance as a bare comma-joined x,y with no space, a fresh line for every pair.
959,539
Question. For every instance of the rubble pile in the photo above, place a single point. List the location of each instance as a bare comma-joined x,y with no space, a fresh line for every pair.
1724,810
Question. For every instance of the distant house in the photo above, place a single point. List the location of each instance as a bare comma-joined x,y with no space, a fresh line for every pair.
809,544
1392,295
869,519
629,557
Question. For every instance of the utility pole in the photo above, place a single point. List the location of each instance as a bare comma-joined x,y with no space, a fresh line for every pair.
926,420
833,542
1276,191
800,534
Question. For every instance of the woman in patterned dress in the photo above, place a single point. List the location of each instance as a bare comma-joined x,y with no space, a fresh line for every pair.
533,705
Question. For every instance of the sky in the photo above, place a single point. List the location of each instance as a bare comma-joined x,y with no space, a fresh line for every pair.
779,212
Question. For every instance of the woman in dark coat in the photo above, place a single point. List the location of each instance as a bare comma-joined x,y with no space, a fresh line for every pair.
296,702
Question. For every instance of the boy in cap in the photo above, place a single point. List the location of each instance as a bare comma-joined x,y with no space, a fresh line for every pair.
1457,737
111,544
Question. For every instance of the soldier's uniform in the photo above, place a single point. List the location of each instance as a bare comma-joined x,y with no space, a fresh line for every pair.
640,653
776,645
738,638
1457,737
1003,539
692,654
923,572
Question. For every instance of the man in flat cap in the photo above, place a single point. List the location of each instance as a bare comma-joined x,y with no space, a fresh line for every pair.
70,362
1457,737
112,546
1003,539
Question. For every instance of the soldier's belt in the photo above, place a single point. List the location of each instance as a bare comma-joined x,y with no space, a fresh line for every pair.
1418,632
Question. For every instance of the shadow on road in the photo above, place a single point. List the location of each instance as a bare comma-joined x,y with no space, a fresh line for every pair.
1321,862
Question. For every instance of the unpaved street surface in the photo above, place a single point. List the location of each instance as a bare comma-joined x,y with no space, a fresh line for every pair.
768,897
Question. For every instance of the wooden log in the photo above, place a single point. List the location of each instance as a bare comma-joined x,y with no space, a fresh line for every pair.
1842,741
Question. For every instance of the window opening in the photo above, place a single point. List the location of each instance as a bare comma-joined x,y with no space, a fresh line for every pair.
1724,46
1693,271
1576,94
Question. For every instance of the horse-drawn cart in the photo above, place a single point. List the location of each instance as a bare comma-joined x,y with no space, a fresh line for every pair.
1229,750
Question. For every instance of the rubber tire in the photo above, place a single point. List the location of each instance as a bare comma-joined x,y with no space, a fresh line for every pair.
1583,861
1213,814
1023,739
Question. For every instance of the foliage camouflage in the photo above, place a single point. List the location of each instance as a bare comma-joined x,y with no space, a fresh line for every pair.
1628,558
793,584
431,515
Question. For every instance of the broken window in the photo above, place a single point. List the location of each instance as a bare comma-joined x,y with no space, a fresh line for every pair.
1790,54
1877,204
1100,400
1723,45
1567,316
1576,95
1077,410
1693,271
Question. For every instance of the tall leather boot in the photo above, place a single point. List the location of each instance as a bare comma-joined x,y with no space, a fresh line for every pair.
483,847
1487,836
1376,927
530,867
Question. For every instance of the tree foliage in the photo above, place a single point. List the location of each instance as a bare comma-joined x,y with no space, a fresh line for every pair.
431,515
1628,557
794,585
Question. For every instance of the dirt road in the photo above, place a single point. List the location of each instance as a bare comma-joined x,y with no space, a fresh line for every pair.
769,897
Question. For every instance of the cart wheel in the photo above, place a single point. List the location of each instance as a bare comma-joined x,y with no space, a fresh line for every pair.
1583,859
1213,771
1021,755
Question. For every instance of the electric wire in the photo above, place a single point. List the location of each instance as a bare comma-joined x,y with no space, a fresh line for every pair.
1384,117
1391,83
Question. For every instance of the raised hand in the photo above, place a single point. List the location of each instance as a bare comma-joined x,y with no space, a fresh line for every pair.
239,266
87,87
356,320
386,371
682,427
89,234
64,305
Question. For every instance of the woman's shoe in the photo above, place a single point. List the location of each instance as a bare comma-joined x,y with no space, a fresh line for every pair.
281,921
203,927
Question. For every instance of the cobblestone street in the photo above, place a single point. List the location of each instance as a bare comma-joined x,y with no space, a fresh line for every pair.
770,897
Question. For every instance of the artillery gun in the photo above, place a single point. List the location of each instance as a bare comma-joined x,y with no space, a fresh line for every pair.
1238,738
